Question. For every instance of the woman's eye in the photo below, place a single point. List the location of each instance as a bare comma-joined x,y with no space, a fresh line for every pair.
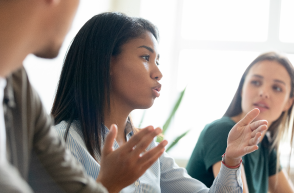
277,88
256,83
146,58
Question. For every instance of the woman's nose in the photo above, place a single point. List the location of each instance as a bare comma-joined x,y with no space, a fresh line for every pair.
263,93
156,74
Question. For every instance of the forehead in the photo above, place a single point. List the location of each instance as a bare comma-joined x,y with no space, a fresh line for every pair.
270,70
147,39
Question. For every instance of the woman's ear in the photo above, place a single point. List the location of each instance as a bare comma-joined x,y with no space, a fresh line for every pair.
289,104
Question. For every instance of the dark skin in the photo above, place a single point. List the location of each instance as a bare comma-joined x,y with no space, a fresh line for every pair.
134,72
128,158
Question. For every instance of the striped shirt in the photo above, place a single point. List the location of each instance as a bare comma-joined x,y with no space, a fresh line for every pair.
163,176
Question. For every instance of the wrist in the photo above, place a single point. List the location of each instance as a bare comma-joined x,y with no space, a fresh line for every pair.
110,188
231,162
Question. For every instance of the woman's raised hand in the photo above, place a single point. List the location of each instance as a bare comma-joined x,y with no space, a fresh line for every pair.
244,137
121,167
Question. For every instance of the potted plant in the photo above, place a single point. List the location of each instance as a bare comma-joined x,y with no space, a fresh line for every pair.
167,123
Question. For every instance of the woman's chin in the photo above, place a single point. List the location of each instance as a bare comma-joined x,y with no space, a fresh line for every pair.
145,105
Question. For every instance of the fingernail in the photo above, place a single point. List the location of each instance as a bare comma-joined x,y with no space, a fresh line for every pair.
158,130
166,142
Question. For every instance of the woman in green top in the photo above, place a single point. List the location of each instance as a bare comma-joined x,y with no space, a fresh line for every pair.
267,84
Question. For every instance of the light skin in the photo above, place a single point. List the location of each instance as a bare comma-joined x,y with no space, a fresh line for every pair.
135,74
39,27
267,87
33,26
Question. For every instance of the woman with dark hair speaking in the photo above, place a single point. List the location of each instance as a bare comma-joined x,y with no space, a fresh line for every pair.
267,84
111,69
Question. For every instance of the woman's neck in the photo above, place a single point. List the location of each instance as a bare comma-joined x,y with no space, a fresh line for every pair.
118,115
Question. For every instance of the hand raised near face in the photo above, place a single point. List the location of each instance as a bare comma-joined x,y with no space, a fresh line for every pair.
121,167
244,137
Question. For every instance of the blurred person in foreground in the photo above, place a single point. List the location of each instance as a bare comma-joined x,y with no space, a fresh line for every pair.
32,156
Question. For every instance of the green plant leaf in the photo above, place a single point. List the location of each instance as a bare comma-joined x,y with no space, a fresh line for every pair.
159,138
166,125
168,121
177,140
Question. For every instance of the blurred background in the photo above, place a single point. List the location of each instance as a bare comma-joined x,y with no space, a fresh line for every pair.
204,46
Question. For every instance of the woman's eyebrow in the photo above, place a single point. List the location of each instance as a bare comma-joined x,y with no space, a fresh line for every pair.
150,49
280,81
258,76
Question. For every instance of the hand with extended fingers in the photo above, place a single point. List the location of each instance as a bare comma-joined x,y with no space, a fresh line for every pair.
121,167
244,137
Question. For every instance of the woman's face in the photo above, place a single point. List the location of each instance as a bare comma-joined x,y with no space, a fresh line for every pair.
267,87
134,73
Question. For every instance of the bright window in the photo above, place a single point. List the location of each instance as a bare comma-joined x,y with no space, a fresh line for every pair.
207,45
286,25
226,20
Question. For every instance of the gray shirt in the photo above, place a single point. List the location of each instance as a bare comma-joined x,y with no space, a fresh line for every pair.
37,158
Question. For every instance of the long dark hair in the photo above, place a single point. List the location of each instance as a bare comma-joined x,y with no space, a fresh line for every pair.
84,85
285,118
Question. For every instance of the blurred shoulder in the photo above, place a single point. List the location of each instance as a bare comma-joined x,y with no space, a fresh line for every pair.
219,126
74,134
